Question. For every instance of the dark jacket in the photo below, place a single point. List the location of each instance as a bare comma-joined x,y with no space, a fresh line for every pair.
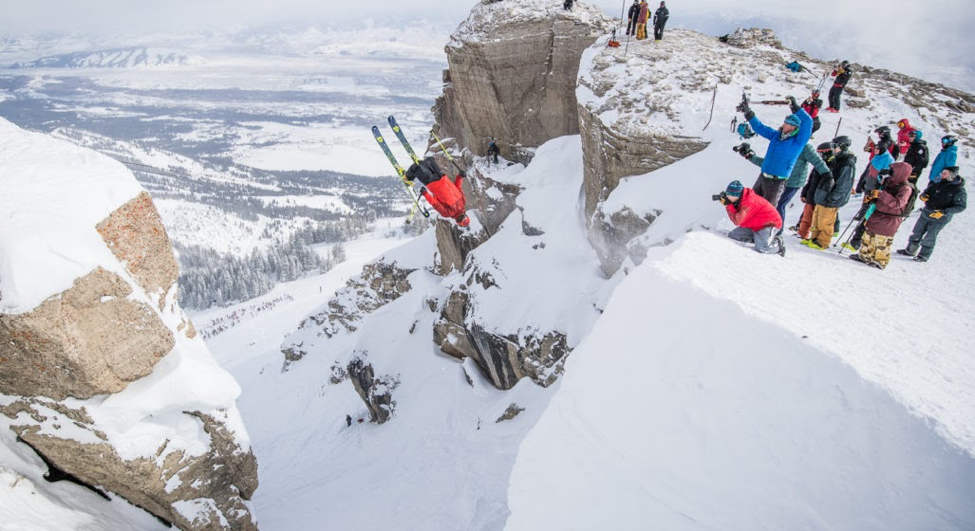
895,193
634,12
660,16
842,76
948,197
917,156
835,192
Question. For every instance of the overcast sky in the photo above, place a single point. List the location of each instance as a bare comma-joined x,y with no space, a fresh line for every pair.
927,38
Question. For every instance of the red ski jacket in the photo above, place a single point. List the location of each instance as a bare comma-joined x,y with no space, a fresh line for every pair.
446,197
903,142
753,212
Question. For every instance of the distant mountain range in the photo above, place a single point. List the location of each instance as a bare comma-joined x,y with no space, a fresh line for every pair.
134,57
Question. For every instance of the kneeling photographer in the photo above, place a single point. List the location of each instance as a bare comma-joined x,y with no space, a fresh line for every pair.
755,218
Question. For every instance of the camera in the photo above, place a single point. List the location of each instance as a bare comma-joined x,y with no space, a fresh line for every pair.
744,147
718,197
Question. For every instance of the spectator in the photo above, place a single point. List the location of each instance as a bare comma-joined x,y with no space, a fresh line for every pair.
633,16
785,145
812,105
641,22
755,218
942,200
891,199
798,176
832,191
904,129
842,74
946,159
660,17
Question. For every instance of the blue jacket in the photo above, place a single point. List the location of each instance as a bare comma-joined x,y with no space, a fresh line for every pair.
801,169
946,159
781,155
882,161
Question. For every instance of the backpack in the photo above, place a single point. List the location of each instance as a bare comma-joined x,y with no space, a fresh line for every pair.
426,171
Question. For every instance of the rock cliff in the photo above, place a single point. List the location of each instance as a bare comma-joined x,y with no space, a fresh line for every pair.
101,373
511,74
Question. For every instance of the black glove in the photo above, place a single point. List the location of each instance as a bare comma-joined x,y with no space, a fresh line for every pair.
743,107
462,174
724,199
793,106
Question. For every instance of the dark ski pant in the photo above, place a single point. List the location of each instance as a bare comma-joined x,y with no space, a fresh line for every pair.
631,27
787,196
834,97
816,124
765,240
771,188
925,235
658,32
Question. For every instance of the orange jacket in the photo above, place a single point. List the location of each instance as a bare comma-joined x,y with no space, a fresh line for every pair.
446,197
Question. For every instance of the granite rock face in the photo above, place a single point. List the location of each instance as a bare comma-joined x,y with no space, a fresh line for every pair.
511,75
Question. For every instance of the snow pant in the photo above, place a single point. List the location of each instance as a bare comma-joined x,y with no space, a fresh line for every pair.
816,124
876,249
658,32
805,222
770,188
834,97
631,27
641,31
823,220
856,239
924,236
787,194
765,240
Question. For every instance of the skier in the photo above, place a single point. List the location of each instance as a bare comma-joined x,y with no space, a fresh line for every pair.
891,199
493,151
812,105
348,420
947,158
942,200
633,15
785,145
567,5
755,218
444,195
660,17
641,22
842,74
917,154
798,176
830,193
904,128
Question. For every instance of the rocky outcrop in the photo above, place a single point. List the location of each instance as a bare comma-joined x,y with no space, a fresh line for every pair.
503,358
376,392
201,492
88,340
511,74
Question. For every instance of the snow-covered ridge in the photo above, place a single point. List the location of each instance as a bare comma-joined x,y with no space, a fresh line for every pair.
136,57
488,15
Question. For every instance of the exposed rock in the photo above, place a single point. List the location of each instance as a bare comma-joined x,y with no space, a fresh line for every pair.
91,339
135,234
493,200
611,236
376,392
751,37
219,481
510,413
511,76
454,244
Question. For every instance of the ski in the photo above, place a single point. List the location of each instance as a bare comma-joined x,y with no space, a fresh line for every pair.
400,171
402,138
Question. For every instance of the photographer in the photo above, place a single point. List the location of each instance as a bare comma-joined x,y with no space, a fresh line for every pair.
755,218
785,144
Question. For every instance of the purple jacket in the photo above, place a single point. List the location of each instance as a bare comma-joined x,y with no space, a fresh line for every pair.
891,203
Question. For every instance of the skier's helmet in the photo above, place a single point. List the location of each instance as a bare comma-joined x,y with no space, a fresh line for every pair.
948,140
842,142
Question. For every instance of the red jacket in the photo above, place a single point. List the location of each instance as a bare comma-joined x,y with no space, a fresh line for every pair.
903,142
753,212
446,197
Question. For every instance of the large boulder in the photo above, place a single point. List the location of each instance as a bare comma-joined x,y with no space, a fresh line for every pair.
511,74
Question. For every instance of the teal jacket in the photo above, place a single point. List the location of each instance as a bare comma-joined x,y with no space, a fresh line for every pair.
801,170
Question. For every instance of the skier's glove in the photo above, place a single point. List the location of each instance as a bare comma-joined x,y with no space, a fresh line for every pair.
793,106
874,194
462,174
937,214
924,198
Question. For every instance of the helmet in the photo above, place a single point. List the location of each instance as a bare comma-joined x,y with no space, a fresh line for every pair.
883,131
842,142
845,64
902,123
948,140
825,146
815,92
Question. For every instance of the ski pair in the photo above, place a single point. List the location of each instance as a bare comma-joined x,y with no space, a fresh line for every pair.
399,169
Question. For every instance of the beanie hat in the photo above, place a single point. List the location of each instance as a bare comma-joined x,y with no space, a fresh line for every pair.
735,189
792,120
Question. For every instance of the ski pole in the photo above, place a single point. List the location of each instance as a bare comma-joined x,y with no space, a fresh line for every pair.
838,124
444,150
840,239
866,216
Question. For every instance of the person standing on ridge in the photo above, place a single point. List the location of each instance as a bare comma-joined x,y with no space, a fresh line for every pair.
943,199
812,105
830,193
567,5
890,199
660,17
842,74
641,22
904,128
785,145
493,151
755,218
444,195
946,159
633,16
